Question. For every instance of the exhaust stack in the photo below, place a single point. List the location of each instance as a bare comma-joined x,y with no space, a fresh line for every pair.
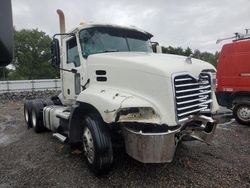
61,21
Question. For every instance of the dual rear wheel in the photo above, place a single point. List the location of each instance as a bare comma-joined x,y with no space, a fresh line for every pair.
96,139
27,113
33,113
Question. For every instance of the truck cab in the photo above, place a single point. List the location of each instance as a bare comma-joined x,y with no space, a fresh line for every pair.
92,49
114,86
233,75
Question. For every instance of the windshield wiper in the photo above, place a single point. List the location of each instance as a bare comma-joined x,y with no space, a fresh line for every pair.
103,51
109,50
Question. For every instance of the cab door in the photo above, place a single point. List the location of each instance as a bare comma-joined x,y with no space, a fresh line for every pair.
71,80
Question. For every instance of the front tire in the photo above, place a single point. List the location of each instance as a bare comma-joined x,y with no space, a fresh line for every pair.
241,113
97,146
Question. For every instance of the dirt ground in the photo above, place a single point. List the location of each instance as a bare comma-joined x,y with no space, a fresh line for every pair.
39,160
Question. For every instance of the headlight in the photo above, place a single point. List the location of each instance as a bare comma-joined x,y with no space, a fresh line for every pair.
212,74
213,80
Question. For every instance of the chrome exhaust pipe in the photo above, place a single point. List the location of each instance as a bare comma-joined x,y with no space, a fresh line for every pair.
61,21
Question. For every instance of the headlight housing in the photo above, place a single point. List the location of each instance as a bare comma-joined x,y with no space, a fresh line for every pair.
212,73
213,81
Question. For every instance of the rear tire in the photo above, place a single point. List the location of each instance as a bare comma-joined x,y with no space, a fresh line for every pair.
47,102
27,112
56,100
37,115
241,113
97,146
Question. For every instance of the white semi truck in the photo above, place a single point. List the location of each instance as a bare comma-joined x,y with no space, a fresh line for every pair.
116,90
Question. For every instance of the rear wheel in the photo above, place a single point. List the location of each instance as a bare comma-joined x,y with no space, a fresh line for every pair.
47,102
241,113
37,115
56,100
27,112
97,146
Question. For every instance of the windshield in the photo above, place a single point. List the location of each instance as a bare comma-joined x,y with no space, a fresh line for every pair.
108,39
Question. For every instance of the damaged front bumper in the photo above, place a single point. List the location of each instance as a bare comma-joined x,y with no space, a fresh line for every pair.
157,144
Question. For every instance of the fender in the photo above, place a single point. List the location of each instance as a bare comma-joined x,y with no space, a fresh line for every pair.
116,106
136,109
241,100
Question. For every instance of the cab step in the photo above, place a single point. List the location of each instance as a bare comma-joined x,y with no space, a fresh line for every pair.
60,137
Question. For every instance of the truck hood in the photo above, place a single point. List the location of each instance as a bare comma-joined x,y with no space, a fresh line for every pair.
152,63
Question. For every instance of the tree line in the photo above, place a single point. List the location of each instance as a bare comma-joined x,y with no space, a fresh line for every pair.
205,56
32,56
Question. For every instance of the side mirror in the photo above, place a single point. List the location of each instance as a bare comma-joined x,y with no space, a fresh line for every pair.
55,52
158,49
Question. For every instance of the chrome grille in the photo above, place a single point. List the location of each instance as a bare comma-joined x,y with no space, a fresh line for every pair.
192,95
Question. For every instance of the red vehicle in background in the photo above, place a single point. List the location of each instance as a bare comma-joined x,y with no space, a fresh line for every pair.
233,77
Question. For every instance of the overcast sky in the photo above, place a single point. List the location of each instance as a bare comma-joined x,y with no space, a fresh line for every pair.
194,23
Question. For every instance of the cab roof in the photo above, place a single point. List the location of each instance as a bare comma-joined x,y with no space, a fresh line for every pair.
91,25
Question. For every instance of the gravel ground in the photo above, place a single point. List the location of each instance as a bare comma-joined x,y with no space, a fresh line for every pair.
39,160
21,96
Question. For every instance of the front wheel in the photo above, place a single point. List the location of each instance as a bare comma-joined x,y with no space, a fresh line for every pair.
241,113
97,146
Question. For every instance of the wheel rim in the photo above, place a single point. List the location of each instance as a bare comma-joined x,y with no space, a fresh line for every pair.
26,115
88,145
244,113
34,119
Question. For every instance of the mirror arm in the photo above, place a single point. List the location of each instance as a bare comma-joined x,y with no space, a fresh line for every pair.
84,86
67,70
154,43
60,34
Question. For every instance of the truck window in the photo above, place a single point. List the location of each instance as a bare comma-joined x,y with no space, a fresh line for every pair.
109,39
72,52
